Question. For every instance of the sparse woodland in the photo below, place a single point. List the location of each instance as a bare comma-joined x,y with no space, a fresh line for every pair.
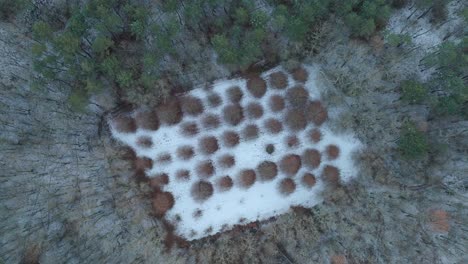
395,70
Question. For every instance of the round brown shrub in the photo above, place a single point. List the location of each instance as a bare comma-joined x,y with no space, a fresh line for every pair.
159,180
162,202
273,126
331,175
250,132
300,74
276,103
287,186
189,129
254,111
278,80
147,120
226,161
225,183
308,179
124,124
164,158
316,112
235,94
290,164
256,86
185,152
311,158
210,121
230,138
208,145
332,151
267,170
183,175
201,191
205,169
270,148
292,141
169,112
214,100
144,142
297,96
295,120
247,178
140,176
192,106
143,163
233,114
315,135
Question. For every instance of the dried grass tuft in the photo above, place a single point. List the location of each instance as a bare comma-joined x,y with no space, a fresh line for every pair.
256,86
191,105
170,112
226,161
315,135
254,111
235,94
185,152
331,175
208,145
308,180
233,114
147,120
267,170
332,151
247,178
287,186
210,121
225,183
124,124
183,175
278,80
311,158
250,132
230,138
295,120
205,169
273,126
297,96
300,74
189,129
214,100
290,164
276,103
292,141
144,142
316,113
162,202
202,190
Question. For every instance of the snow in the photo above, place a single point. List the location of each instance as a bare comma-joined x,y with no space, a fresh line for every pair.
262,200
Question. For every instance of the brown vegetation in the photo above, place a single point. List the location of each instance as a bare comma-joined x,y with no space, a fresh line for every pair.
332,152
308,179
230,138
142,163
233,114
144,142
439,220
254,111
202,190
311,158
331,175
192,106
225,183
276,103
290,164
287,186
210,121
226,161
247,178
316,112
147,120
162,202
300,74
214,100
295,120
278,80
315,135
185,152
256,86
124,124
267,170
250,132
183,175
170,112
189,129
205,169
159,180
292,141
297,96
208,145
164,158
273,126
235,94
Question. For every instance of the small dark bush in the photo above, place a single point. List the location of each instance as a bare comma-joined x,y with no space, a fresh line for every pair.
331,175
254,111
256,86
226,161
208,145
147,120
311,158
250,132
233,114
290,164
205,169
210,121
292,141
300,74
202,190
316,113
214,100
333,151
124,124
169,112
225,183
230,138
267,170
162,202
297,96
189,129
315,135
273,126
308,179
192,105
276,103
287,186
235,94
270,148
295,120
247,178
278,80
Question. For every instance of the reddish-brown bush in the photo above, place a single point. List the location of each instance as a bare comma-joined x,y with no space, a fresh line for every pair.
183,175
205,169
250,132
267,170
273,126
297,96
144,142
159,180
124,124
233,114
311,158
292,141
208,145
256,86
315,135
300,74
235,94
332,152
316,112
287,186
226,161
192,106
254,111
164,158
276,103
140,176
185,152
214,100
230,138
295,120
308,180
189,129
142,163
202,190
162,202
169,112
210,121
147,120
331,175
225,183
270,148
278,80
247,178
290,164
